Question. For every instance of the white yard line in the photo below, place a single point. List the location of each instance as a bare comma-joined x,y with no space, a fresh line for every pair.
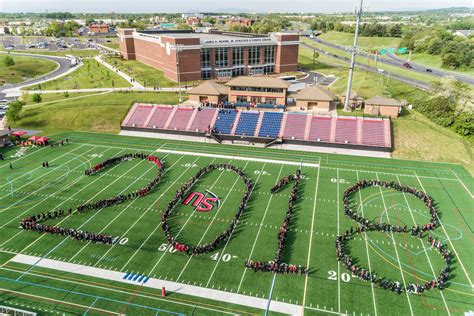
110,223
212,221
423,247
395,246
338,233
361,201
230,237
283,162
143,213
467,190
310,239
7,164
174,287
259,229
449,239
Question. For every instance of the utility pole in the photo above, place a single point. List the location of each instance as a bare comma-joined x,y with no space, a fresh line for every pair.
354,50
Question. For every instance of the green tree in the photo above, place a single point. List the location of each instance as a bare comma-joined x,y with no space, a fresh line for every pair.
36,98
14,109
8,61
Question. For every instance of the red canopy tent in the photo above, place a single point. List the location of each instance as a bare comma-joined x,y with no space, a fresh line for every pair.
42,139
34,138
18,133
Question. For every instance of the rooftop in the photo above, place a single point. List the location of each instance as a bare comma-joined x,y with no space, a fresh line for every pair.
261,82
209,88
383,101
315,93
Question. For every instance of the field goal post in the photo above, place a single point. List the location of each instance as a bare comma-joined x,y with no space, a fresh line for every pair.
6,310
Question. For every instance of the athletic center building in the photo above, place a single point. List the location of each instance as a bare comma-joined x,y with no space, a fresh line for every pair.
188,56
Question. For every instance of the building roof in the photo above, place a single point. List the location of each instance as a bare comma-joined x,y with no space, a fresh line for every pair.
261,82
382,101
465,33
354,96
315,93
209,88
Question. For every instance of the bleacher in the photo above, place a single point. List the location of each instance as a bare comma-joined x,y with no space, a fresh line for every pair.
346,130
320,129
225,121
295,126
181,119
291,127
139,115
373,132
160,117
247,123
271,124
202,120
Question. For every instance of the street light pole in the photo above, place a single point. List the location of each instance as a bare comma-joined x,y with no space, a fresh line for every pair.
354,49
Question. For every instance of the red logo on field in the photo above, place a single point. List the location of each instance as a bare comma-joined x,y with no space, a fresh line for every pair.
200,202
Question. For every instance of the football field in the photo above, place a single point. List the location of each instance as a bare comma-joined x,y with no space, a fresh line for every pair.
53,274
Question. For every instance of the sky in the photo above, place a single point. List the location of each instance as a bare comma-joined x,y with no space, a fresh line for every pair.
151,6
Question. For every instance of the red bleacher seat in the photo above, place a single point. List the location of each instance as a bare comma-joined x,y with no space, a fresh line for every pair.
320,129
159,118
139,116
295,126
373,132
346,130
202,120
180,119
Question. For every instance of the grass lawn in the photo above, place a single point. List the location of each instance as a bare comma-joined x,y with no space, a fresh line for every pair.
99,113
144,74
318,216
24,68
112,45
89,75
49,97
365,43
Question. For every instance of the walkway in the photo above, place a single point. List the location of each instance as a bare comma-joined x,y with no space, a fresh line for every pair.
134,83
185,289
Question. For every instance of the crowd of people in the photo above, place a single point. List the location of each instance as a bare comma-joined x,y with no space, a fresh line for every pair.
35,222
276,266
180,194
415,231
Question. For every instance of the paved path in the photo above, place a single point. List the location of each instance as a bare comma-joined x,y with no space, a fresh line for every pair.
64,67
206,293
134,83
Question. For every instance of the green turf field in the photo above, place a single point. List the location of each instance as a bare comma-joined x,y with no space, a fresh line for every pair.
142,248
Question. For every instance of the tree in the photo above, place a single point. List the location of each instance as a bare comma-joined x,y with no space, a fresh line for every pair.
36,98
14,109
8,61
396,30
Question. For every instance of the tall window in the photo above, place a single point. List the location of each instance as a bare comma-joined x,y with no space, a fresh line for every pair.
221,57
205,58
254,55
269,54
238,56
206,74
237,72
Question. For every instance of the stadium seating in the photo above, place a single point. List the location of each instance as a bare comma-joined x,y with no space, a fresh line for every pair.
159,118
373,132
320,129
346,130
139,115
225,121
271,124
247,123
202,120
181,119
295,126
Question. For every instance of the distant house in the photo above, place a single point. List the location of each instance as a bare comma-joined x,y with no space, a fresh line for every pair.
464,33
240,22
208,92
193,21
99,28
315,99
382,106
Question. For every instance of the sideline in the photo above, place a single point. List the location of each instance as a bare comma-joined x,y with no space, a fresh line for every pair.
282,162
260,303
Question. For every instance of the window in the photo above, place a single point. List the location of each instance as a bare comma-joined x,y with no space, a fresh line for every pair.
224,74
269,54
205,58
237,72
206,74
221,57
270,100
269,69
238,56
254,55
241,99
256,99
256,71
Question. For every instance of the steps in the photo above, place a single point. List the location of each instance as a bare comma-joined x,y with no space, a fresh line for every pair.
333,130
307,127
359,130
283,125
148,118
170,118
259,124
236,122
191,120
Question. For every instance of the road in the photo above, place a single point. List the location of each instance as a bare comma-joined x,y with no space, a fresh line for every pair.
64,65
410,81
396,61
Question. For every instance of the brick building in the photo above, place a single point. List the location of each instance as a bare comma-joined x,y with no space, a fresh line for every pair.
99,28
240,22
382,106
196,56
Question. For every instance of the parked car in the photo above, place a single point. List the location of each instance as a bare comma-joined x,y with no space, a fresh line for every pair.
429,70
407,65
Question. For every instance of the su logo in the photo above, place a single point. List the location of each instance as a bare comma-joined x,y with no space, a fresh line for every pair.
200,202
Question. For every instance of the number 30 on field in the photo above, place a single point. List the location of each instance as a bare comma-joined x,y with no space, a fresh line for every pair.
344,276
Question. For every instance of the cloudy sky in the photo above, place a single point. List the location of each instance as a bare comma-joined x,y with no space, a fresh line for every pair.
219,6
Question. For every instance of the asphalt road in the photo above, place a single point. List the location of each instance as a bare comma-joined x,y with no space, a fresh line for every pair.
64,66
396,61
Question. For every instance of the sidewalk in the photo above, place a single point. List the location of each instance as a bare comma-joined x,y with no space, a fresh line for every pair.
134,83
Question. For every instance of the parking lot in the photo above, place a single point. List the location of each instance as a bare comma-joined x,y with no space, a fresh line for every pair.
50,43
